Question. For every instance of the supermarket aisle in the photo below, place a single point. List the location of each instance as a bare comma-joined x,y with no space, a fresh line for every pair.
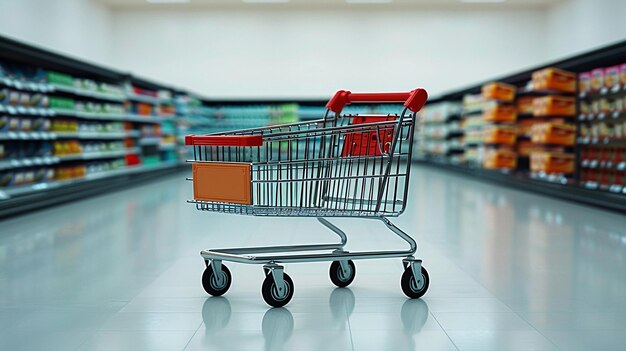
508,271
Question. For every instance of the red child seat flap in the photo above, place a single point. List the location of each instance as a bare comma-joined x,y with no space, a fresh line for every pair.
369,143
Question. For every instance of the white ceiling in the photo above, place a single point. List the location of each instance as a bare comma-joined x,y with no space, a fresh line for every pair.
328,4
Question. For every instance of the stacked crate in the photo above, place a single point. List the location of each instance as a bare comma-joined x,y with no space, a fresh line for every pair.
552,130
499,134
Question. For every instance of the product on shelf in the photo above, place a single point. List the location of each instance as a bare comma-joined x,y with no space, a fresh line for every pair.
500,113
500,135
66,147
61,103
553,133
554,105
552,162
554,79
499,91
500,159
60,79
525,105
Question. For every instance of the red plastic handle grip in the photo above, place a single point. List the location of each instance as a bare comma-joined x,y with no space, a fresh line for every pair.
413,100
224,140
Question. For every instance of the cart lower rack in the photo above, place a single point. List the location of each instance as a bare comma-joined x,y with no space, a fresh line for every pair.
355,166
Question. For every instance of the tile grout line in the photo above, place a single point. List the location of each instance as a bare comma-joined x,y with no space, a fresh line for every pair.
535,329
445,331
192,336
349,328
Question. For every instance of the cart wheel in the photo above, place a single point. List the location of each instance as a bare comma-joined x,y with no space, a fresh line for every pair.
211,285
410,286
338,277
270,292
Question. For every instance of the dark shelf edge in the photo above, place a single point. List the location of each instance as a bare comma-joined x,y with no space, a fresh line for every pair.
42,199
602,199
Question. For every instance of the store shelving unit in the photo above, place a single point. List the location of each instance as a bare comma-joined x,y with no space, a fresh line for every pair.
68,125
606,188
439,133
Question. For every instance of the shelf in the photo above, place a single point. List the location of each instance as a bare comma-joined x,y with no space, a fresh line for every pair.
87,93
98,155
27,86
602,117
68,135
595,164
51,88
147,119
52,160
541,92
149,99
150,140
170,146
603,92
28,162
22,110
519,180
9,192
611,142
47,112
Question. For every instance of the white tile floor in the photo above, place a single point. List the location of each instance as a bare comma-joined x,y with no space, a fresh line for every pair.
509,271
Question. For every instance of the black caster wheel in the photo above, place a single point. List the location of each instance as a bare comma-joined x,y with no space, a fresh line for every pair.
212,285
337,275
270,292
410,286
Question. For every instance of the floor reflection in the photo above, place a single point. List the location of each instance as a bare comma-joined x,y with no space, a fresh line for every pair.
216,313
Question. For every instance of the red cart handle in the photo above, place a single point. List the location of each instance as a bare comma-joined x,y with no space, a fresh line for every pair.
413,100
224,140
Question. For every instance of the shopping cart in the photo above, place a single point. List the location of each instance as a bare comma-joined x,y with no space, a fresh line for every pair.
338,166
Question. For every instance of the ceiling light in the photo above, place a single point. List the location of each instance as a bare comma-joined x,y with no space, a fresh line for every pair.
168,1
368,1
266,1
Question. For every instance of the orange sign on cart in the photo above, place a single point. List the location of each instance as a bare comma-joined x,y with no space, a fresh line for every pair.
222,182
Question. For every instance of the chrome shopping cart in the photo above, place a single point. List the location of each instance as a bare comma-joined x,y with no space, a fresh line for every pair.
338,166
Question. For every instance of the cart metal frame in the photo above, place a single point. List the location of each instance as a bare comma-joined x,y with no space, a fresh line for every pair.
328,159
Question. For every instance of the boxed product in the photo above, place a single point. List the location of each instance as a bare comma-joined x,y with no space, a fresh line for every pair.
500,159
524,126
597,79
622,70
611,76
554,79
500,113
525,105
584,82
552,162
498,91
500,135
553,133
554,105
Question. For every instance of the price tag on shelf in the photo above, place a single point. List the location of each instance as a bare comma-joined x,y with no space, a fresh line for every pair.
21,109
11,110
3,195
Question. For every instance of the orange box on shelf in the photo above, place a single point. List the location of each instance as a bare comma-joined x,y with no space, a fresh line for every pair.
553,133
525,104
524,126
506,135
499,159
499,91
500,113
554,79
554,105
552,162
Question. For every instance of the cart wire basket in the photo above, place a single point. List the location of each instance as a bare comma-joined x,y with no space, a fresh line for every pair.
338,166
